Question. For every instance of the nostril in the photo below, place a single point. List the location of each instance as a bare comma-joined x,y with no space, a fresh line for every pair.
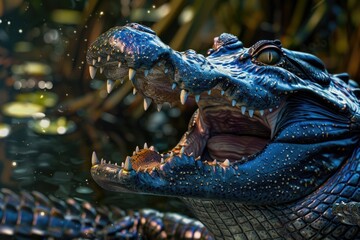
141,28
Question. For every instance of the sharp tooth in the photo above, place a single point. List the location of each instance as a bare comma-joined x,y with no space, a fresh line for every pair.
92,71
183,96
182,150
127,165
122,164
197,98
101,69
94,159
146,72
115,164
109,85
102,161
145,146
93,61
152,148
159,106
243,110
173,86
119,64
251,112
132,73
261,112
209,92
226,163
147,102
166,70
214,162
222,92
134,91
99,59
233,102
137,149
122,48
162,160
270,109
108,58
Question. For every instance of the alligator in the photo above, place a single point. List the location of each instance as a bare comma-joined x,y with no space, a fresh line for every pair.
271,151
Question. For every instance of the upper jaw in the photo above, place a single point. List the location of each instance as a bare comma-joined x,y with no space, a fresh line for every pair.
162,75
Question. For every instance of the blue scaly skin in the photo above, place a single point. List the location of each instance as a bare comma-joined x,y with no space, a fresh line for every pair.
272,146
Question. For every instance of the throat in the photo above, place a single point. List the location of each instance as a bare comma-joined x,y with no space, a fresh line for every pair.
234,147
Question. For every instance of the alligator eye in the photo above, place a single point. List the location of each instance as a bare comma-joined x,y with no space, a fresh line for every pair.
269,56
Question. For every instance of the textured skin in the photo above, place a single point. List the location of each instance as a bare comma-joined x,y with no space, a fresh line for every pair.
35,216
309,218
282,188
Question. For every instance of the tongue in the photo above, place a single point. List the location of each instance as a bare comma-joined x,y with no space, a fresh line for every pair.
233,147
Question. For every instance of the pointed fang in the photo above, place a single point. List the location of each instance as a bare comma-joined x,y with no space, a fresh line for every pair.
261,112
109,85
159,106
94,159
127,165
243,110
134,91
182,150
226,163
183,96
197,98
132,73
147,102
233,102
145,146
92,71
251,113
173,86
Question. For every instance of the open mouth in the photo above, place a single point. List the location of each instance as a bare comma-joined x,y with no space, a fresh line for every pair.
261,132
221,131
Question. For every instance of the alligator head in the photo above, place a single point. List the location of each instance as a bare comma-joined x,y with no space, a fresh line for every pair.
272,125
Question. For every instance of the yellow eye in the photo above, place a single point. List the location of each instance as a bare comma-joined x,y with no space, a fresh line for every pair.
269,56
